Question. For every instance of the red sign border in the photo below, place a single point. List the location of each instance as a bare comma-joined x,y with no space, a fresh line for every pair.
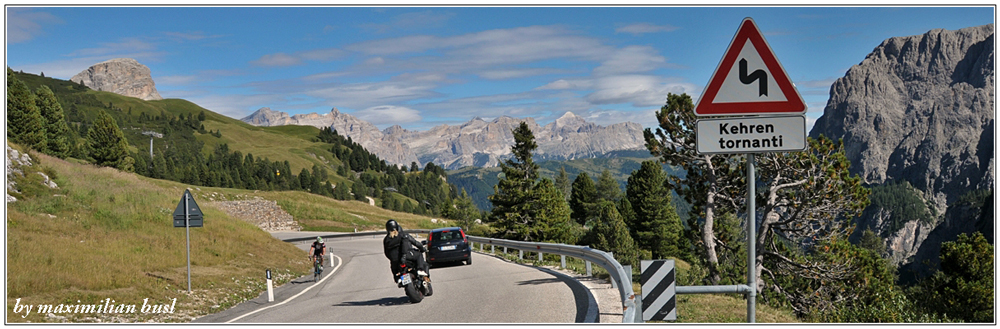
748,31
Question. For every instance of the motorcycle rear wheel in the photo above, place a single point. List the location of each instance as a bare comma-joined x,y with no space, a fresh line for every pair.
412,292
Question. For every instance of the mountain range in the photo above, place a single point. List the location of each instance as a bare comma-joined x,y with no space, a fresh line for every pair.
477,143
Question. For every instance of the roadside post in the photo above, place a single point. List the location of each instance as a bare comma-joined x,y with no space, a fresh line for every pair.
761,112
188,215
270,287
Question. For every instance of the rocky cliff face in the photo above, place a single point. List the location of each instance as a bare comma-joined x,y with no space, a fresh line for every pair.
919,109
475,143
123,76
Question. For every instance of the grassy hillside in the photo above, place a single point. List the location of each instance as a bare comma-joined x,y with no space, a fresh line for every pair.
293,143
107,234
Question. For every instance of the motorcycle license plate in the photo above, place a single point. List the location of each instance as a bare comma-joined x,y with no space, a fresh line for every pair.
406,279
446,248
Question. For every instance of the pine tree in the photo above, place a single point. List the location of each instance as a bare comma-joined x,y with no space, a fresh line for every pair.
552,221
657,227
607,187
107,143
563,183
360,190
512,194
25,124
611,234
582,198
56,129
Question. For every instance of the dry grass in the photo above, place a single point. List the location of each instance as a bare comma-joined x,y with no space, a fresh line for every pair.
108,234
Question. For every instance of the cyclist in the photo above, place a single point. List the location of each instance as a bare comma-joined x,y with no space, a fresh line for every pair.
318,249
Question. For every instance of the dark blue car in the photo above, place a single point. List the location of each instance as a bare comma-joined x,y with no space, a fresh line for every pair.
448,244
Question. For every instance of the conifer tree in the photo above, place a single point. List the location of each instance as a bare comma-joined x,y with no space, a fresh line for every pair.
512,194
56,129
582,198
563,183
107,143
553,223
657,227
607,187
611,234
25,124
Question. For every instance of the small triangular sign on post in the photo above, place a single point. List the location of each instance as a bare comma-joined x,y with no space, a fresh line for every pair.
749,80
194,212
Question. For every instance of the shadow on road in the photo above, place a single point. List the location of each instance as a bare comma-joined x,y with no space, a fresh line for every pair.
536,282
387,301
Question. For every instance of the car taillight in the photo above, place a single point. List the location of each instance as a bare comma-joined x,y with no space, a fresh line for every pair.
464,238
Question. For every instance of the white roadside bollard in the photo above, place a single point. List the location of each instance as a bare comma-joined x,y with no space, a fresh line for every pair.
270,287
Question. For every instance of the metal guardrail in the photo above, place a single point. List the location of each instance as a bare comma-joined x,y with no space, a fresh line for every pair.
595,256
601,258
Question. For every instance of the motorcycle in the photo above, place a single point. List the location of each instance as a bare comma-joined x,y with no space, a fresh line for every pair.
416,286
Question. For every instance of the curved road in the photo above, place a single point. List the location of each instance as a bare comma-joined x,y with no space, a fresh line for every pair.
359,289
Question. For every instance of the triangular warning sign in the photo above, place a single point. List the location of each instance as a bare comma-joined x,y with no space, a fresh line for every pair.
749,80
193,210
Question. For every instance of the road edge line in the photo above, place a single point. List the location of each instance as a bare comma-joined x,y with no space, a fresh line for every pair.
341,261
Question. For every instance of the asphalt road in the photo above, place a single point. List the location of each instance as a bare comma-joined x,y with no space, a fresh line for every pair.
358,288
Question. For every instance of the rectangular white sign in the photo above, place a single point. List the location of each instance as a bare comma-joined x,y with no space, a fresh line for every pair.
751,135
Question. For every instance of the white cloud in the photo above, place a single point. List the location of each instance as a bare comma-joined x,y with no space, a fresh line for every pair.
24,24
411,21
125,45
563,84
503,74
388,114
631,59
190,36
178,80
278,59
326,54
640,28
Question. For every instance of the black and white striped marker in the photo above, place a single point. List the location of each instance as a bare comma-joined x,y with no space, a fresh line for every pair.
659,302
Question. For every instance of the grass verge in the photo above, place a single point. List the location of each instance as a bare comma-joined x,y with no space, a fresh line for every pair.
104,234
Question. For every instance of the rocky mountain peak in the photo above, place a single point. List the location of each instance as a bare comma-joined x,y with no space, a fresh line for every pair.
123,76
920,109
569,119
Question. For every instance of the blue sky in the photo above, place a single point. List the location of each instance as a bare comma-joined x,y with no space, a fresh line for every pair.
424,66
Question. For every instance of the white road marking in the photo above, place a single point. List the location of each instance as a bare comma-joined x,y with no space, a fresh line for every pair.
341,262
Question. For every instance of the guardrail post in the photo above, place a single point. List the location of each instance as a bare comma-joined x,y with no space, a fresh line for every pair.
520,254
562,261
589,273
493,249
480,247
614,285
504,250
539,256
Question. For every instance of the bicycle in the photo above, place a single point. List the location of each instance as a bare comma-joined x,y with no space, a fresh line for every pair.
317,268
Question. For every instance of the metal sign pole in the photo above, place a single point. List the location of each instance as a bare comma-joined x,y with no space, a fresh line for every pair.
751,240
187,228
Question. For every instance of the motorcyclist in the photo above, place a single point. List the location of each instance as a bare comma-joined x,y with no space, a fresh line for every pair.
398,247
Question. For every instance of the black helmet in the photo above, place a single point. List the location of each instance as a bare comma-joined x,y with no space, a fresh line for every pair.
391,225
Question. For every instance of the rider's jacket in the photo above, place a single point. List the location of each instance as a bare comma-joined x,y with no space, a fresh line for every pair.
400,246
318,248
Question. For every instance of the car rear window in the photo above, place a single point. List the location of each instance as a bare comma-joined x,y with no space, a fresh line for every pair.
445,236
